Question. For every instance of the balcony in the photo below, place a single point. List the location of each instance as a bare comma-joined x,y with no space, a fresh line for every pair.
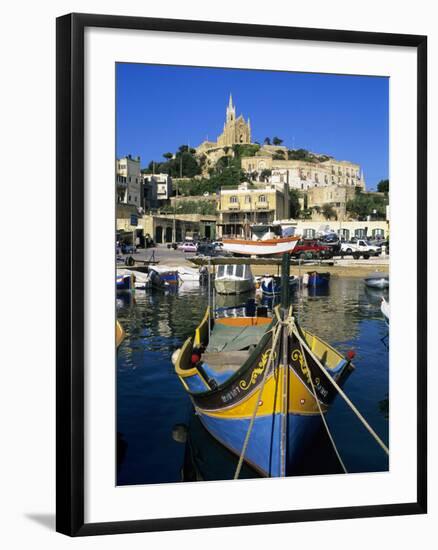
262,205
233,206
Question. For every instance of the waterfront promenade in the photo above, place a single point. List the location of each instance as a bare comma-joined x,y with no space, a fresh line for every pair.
342,267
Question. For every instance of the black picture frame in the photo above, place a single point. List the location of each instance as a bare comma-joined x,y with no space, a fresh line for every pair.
70,272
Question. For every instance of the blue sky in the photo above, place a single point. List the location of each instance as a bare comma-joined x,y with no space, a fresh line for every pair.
158,108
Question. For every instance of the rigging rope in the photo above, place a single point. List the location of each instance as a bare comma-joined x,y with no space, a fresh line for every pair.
277,330
339,390
322,415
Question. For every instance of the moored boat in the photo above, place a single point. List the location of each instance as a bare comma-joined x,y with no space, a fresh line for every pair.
125,283
270,285
161,277
315,279
233,279
269,369
377,280
262,247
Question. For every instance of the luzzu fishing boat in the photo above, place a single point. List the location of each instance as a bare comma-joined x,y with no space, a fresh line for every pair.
261,386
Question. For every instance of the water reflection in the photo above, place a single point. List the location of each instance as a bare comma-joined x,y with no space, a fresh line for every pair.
151,399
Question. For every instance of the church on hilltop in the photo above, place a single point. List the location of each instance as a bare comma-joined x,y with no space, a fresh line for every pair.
236,131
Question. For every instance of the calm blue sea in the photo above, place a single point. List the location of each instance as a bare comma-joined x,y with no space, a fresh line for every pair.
151,400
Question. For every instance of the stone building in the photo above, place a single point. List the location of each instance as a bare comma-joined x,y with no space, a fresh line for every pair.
336,196
129,181
239,208
303,175
160,227
157,190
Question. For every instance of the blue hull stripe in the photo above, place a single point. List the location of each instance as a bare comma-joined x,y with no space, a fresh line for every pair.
263,451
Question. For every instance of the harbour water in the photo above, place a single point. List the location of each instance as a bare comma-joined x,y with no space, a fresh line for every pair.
152,405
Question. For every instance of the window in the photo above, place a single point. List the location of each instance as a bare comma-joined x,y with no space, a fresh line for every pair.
247,199
230,269
344,234
262,198
378,233
220,270
233,199
239,270
309,233
129,198
359,233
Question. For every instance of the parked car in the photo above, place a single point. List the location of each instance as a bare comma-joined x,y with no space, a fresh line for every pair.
332,241
306,249
360,247
188,246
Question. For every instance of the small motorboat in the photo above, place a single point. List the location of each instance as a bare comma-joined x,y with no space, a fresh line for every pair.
384,308
234,279
315,279
377,280
125,283
263,247
270,285
162,277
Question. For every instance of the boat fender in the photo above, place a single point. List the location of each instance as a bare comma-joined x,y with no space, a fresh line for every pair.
175,356
196,357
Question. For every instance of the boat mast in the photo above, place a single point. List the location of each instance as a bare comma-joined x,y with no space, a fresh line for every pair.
285,273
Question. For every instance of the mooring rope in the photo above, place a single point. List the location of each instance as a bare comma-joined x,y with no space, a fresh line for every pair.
339,390
276,334
322,415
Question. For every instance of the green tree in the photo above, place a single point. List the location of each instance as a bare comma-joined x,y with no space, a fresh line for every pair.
367,204
277,141
168,156
267,141
328,211
383,186
265,174
294,203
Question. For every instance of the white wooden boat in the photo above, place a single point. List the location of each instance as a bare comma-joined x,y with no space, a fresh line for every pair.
233,279
262,247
